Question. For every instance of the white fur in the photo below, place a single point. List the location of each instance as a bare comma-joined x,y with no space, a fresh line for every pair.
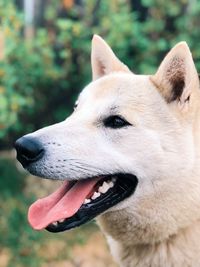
159,225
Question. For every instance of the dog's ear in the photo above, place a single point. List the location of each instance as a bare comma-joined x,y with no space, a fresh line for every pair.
103,59
177,78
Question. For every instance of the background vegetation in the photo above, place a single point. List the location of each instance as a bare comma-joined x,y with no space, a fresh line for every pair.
43,67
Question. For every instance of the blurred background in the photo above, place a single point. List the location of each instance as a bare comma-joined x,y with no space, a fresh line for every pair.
44,64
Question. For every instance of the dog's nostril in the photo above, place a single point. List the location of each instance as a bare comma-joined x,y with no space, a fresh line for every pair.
29,150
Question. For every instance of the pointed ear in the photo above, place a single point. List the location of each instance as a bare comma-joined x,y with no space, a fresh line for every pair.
103,59
177,78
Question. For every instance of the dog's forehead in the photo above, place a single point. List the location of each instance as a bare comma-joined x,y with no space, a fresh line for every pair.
129,95
116,88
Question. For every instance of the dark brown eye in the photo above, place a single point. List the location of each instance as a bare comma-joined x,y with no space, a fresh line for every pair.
115,122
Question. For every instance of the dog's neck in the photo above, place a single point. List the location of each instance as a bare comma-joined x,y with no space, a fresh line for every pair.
181,249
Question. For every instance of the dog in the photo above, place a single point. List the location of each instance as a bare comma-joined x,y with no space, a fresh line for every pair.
129,155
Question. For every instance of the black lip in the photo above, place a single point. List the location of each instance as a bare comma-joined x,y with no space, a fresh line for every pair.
124,187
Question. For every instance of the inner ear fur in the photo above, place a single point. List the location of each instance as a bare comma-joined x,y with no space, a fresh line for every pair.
177,78
103,59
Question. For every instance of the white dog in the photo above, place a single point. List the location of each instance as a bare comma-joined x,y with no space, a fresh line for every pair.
129,154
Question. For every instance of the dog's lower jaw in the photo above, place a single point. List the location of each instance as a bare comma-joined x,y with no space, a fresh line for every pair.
179,250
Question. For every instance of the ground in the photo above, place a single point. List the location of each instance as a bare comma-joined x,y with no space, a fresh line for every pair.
94,252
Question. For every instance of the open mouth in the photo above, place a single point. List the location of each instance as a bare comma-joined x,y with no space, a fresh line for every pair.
77,202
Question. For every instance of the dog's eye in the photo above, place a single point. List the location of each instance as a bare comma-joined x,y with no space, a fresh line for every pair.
115,122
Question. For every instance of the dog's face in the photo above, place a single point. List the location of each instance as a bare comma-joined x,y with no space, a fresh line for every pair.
131,140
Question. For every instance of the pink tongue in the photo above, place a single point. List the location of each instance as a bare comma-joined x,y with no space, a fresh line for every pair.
62,204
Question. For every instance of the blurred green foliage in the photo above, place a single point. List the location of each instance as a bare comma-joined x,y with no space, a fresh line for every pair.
40,77
15,232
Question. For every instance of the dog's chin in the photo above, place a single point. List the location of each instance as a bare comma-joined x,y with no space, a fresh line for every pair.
105,192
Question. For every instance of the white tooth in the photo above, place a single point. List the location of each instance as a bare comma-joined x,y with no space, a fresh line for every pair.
100,189
111,184
105,186
55,223
61,221
95,195
86,201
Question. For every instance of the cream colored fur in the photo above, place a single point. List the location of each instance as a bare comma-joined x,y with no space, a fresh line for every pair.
159,225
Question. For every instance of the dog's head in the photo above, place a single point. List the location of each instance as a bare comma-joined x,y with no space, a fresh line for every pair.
130,146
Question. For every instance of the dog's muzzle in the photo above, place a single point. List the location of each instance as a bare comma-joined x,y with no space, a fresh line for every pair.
29,150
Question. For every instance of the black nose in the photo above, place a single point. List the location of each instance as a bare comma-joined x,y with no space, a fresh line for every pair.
29,150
